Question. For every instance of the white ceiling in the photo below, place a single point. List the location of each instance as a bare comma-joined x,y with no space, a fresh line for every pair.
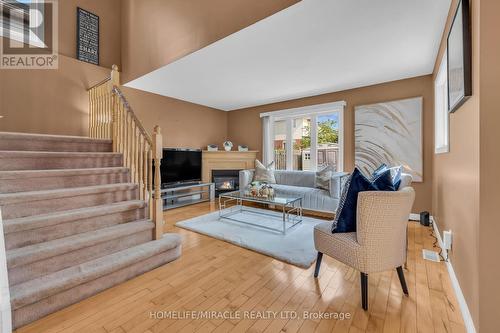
311,48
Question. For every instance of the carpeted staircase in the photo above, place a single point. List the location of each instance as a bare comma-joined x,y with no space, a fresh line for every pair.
73,222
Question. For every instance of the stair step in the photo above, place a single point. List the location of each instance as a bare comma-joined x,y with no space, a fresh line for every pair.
36,298
45,142
27,180
22,204
37,260
73,222
31,230
43,160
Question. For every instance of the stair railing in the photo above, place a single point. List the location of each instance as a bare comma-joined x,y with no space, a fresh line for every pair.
112,117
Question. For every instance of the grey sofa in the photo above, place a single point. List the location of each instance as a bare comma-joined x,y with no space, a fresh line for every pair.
302,183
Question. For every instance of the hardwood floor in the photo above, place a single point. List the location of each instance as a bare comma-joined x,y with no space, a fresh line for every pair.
212,275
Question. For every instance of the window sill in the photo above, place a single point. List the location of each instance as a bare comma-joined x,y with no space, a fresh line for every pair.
441,150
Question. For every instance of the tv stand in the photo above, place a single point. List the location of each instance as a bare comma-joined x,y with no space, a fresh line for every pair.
184,195
173,186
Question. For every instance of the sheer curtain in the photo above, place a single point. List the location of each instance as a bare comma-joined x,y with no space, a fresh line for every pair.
267,140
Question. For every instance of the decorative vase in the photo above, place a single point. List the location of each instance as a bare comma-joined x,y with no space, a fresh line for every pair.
212,148
228,145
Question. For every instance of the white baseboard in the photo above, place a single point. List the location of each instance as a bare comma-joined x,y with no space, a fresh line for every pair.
464,309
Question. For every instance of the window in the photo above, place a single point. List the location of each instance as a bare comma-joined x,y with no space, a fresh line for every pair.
22,22
305,138
301,134
328,140
441,122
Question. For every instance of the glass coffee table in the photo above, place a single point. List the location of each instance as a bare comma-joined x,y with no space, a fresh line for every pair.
231,204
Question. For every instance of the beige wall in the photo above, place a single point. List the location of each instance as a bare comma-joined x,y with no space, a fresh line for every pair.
48,101
244,126
109,12
157,32
456,180
489,226
56,101
183,124
466,182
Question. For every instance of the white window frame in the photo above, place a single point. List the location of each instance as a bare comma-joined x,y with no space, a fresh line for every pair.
312,112
441,114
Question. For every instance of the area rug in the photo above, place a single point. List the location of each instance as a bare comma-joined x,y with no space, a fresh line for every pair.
296,247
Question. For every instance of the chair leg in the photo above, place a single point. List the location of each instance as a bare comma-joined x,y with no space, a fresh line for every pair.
318,264
402,280
364,290
406,248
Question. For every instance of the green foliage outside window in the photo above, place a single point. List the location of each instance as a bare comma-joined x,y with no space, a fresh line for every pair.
327,133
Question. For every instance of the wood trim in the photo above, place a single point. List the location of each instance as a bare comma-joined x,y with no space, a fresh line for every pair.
306,110
223,160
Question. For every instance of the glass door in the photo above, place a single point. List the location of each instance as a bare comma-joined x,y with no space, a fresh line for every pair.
308,142
327,140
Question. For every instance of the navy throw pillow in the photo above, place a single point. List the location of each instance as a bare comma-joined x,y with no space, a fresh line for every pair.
345,219
384,181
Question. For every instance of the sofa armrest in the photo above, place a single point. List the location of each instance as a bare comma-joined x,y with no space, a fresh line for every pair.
246,177
337,183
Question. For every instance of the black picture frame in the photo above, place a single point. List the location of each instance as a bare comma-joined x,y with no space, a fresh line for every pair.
459,58
82,55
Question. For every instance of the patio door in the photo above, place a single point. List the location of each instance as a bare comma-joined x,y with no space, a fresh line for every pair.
306,138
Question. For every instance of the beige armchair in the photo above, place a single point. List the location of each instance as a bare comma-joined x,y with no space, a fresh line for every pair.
379,243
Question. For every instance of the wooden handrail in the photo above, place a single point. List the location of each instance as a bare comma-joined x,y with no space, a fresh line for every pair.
99,83
112,117
127,106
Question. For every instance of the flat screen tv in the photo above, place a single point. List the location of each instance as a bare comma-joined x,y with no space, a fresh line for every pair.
180,166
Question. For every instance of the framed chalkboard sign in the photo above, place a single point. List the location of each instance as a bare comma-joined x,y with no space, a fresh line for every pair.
87,36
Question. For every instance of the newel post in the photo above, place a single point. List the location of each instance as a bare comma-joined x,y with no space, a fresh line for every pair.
115,76
157,201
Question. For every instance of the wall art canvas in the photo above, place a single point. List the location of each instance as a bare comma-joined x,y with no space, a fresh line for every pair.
390,133
459,58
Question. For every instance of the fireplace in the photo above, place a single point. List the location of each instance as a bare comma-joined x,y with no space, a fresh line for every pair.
225,180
